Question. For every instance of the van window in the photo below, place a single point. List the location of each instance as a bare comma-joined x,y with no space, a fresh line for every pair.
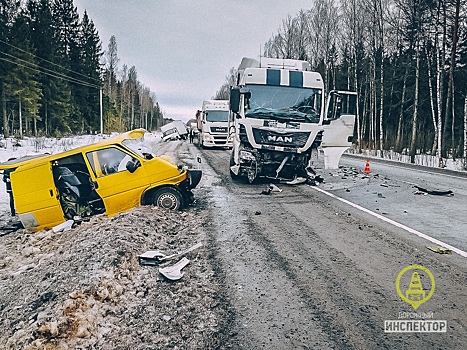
108,161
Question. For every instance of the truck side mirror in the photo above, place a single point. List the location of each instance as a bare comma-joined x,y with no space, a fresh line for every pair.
235,100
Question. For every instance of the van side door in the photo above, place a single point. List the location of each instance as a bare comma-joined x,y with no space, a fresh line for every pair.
36,200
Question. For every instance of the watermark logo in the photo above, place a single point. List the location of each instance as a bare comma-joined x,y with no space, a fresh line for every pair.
410,289
415,295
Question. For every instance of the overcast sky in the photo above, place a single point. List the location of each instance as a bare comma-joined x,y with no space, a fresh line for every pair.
183,50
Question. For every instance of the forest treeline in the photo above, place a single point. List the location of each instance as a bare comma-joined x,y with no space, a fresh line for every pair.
53,72
405,58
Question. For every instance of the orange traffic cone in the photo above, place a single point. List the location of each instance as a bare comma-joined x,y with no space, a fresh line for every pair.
367,167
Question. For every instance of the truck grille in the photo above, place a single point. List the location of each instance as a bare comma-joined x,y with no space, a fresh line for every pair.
284,139
218,129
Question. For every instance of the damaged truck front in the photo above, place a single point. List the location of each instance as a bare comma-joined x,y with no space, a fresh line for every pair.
280,120
110,176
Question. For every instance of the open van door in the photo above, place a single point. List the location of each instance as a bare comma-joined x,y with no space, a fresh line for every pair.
36,201
338,125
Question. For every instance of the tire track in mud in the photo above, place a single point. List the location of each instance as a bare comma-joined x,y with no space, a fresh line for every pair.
348,293
317,274
264,313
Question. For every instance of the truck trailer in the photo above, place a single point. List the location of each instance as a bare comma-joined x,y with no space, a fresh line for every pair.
174,130
213,124
280,119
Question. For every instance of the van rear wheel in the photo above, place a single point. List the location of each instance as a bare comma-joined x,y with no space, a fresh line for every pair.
168,198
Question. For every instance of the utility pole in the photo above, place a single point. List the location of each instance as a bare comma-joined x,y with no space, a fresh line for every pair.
101,113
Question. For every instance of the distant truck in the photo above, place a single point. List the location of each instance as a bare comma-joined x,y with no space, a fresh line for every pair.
280,119
213,124
174,130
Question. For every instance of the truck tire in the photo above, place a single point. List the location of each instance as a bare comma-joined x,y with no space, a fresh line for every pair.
168,198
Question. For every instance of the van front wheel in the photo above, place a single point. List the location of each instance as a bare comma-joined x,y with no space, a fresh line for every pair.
168,198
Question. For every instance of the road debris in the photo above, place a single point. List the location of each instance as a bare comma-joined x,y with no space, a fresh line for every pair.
65,226
10,226
156,257
296,181
271,188
174,272
440,250
435,192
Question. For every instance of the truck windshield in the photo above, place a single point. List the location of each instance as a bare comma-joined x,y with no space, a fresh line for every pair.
284,103
217,116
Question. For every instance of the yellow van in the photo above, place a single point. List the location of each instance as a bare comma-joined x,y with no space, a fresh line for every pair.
111,176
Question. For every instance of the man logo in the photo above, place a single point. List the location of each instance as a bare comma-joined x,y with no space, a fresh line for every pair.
286,139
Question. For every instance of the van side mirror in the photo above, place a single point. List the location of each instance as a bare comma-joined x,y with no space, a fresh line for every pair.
235,99
132,165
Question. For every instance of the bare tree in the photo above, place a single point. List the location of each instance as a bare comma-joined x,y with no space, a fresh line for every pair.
230,80
111,62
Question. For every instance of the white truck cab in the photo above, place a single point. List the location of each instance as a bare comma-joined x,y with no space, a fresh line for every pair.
280,118
213,124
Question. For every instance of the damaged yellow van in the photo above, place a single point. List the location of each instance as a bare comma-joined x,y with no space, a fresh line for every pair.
111,176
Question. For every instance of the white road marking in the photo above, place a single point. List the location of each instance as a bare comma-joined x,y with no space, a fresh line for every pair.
395,223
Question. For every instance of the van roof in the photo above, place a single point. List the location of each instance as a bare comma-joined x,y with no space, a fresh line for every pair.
34,159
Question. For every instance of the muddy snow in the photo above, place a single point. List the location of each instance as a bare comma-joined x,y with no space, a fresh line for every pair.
84,288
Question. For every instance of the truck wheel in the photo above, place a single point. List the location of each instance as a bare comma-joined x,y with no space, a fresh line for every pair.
168,198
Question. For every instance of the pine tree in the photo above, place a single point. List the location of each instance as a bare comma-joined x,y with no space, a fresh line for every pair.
88,90
66,23
8,12
55,101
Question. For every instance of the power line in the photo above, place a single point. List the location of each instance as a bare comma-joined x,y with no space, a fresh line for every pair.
72,80
43,59
44,70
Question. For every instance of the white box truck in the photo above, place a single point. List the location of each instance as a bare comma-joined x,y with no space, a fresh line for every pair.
213,124
175,130
280,118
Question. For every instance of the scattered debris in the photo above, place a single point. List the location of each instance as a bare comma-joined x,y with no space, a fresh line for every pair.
258,213
435,192
313,181
440,250
271,188
296,181
156,257
10,226
174,272
84,288
65,226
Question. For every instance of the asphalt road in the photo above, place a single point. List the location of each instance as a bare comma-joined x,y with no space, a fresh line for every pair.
299,269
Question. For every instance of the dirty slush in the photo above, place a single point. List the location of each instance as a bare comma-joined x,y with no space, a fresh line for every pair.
85,289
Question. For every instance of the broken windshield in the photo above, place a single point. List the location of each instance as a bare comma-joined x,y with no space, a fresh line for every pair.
284,103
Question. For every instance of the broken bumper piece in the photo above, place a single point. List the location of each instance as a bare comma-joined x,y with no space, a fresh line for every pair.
174,272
